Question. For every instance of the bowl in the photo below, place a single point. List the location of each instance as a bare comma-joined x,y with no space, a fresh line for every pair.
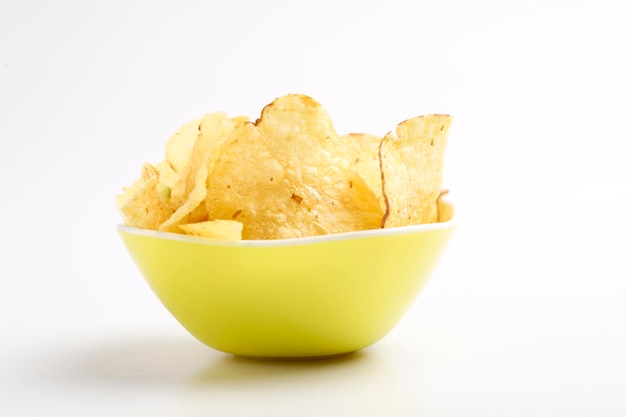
291,298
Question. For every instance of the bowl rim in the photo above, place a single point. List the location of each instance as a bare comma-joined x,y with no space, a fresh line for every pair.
358,234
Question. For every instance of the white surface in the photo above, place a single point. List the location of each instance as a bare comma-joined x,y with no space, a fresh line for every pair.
524,316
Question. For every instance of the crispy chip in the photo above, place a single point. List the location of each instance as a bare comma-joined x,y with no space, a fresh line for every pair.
140,204
215,229
412,168
283,176
168,177
444,211
147,172
179,146
215,129
362,149
289,175
239,120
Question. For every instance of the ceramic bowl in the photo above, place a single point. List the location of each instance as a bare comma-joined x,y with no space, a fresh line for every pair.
305,297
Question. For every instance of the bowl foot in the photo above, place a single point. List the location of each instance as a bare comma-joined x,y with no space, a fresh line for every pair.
344,355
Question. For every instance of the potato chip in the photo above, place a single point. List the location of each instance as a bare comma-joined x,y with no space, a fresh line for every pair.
140,204
147,172
239,120
283,177
215,229
444,210
289,175
168,177
362,149
179,146
215,129
412,168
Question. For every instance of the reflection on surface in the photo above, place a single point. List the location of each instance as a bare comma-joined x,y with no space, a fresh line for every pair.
190,379
149,361
171,361
229,369
165,361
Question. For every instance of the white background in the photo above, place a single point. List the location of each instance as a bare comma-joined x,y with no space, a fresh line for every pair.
525,315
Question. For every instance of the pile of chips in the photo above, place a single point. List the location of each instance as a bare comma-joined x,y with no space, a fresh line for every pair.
289,175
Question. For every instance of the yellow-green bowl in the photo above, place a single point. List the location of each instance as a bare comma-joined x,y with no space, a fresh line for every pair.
303,297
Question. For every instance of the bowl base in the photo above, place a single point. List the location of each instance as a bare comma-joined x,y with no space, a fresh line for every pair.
329,357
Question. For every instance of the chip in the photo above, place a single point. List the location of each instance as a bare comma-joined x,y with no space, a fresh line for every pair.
179,146
147,173
140,205
362,149
289,175
215,229
215,129
412,168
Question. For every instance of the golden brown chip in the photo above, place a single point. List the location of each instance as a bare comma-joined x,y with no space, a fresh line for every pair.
239,120
362,150
215,229
140,204
412,168
147,172
444,211
215,129
179,146
289,175
168,177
